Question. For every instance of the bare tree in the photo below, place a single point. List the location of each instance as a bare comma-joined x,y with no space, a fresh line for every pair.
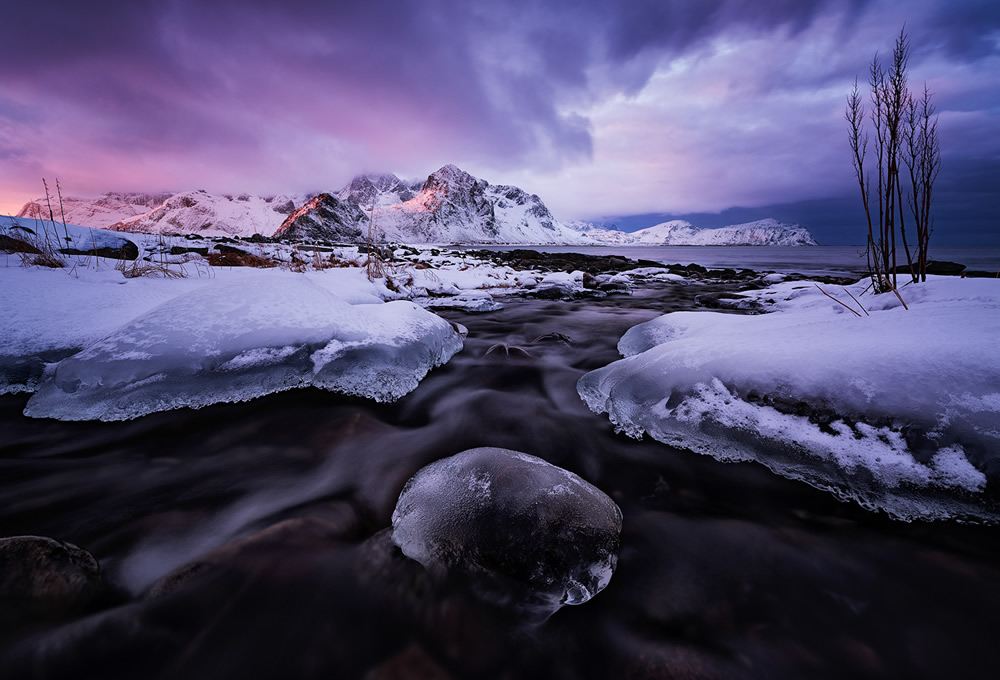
902,131
922,156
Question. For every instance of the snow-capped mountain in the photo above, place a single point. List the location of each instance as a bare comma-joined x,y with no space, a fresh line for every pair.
385,189
199,212
173,213
767,232
324,218
99,212
452,206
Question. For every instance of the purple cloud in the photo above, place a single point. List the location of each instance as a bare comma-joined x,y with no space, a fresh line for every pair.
264,96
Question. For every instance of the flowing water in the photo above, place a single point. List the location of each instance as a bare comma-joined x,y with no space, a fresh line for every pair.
271,515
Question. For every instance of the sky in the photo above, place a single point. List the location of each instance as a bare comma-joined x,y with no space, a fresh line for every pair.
624,112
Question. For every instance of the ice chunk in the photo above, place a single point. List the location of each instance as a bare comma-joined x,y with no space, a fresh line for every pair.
896,409
470,301
524,531
237,341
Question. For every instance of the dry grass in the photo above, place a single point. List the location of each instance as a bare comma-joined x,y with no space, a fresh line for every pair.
32,248
138,268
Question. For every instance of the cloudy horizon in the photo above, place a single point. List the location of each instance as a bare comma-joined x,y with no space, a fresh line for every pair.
607,111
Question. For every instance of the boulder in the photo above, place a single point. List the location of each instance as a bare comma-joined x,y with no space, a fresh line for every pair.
41,576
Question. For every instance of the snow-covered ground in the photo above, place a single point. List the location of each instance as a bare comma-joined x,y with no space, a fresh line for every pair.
93,343
896,408
110,339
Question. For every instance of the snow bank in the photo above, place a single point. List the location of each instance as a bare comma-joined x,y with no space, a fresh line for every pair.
898,410
97,346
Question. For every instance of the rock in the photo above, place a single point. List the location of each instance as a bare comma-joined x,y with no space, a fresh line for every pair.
945,268
727,300
9,244
552,337
181,250
124,250
42,577
552,292
521,531
310,533
505,351
475,302
934,268
615,287
230,250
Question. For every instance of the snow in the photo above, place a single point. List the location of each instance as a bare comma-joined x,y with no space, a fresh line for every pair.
905,404
99,212
173,213
95,345
199,212
525,531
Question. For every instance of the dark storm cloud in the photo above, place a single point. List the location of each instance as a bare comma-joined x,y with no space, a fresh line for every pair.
299,94
180,72
967,30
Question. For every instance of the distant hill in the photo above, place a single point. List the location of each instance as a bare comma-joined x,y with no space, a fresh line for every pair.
767,232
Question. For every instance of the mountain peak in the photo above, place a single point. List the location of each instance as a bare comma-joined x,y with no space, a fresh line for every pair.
325,218
382,189
451,175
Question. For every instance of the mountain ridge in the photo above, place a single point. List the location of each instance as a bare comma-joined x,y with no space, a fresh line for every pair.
450,206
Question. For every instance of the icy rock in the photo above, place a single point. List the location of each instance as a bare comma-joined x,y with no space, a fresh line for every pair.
101,243
238,341
475,301
524,532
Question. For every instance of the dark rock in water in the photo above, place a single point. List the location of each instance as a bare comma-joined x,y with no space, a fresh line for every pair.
520,530
44,577
552,292
615,287
296,533
503,350
686,270
589,280
979,274
531,259
552,337
727,300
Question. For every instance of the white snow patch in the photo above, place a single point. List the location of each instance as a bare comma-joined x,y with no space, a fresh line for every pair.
702,380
